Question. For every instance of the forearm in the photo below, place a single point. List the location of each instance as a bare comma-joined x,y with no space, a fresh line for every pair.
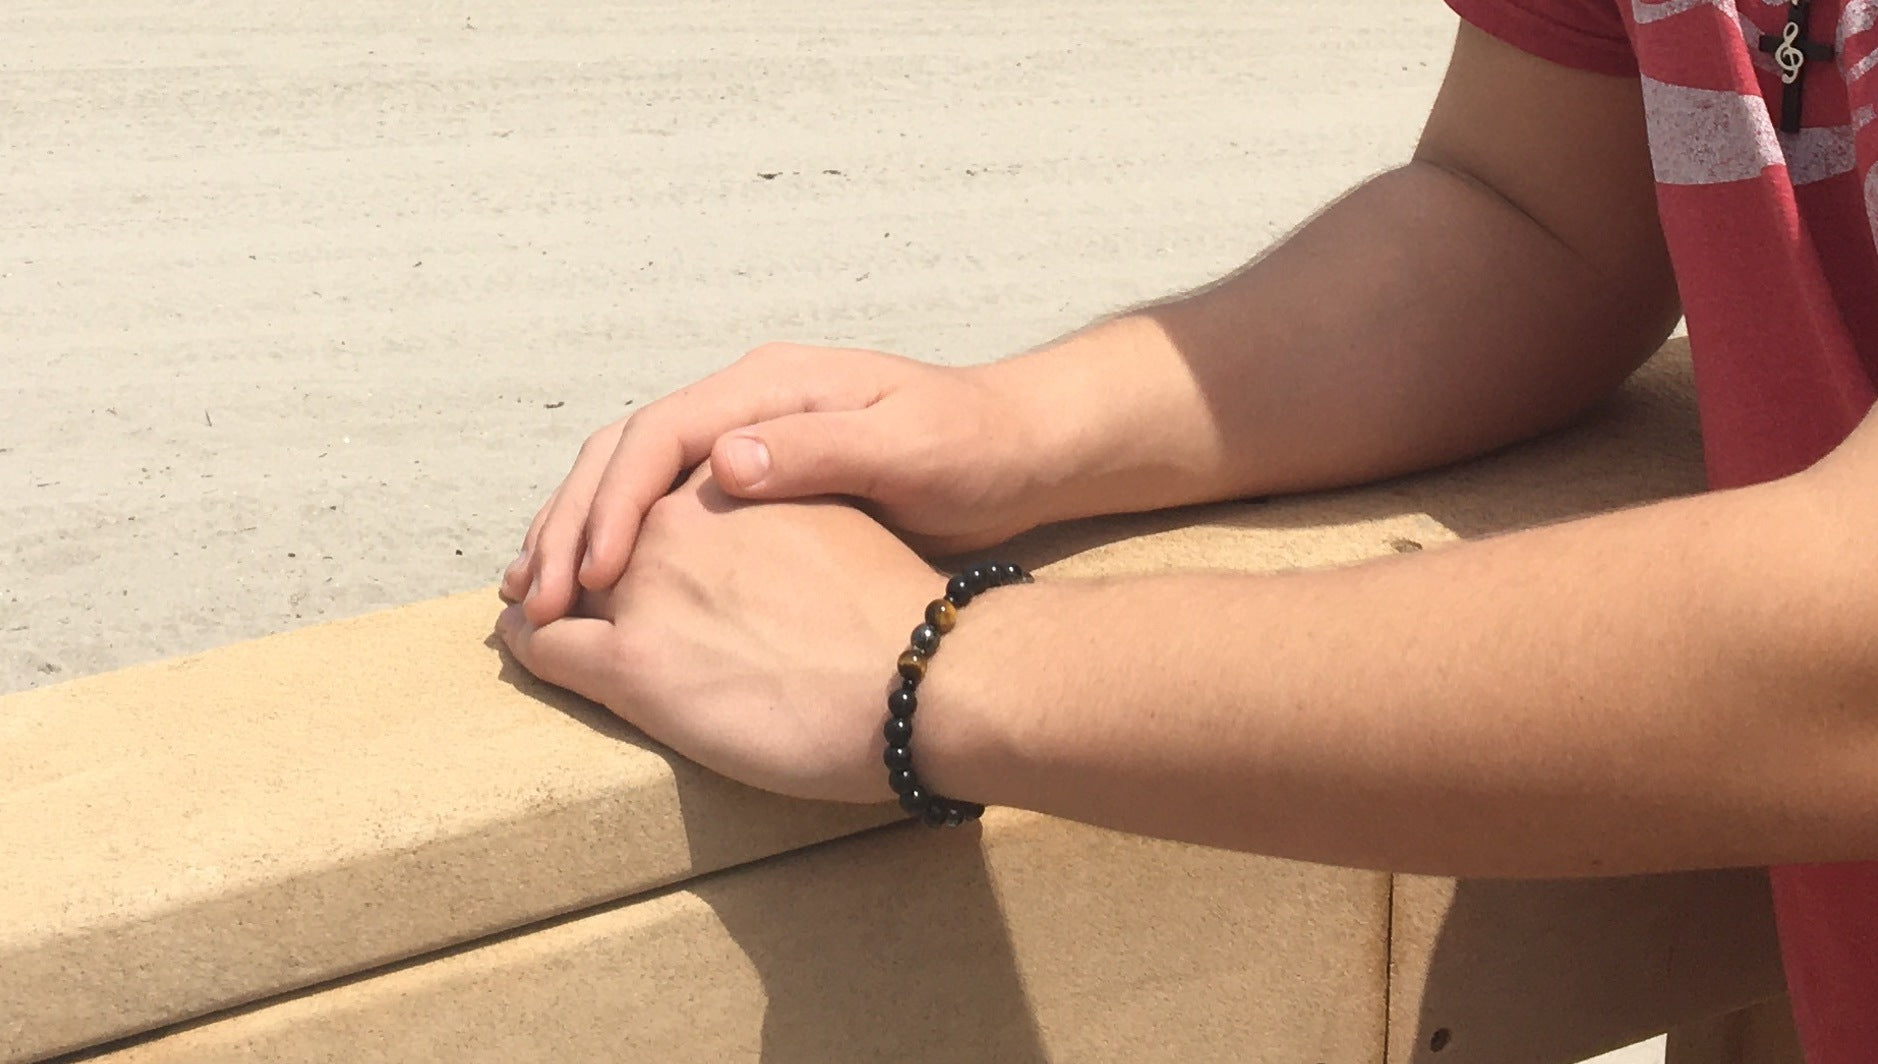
1419,320
1684,685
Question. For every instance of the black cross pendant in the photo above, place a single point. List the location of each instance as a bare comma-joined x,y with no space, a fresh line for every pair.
1792,51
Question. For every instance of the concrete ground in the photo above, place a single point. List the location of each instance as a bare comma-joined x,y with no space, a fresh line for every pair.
305,307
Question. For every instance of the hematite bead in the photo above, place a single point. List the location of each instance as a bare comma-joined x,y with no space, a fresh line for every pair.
898,730
959,591
915,801
902,780
934,814
942,615
912,666
897,757
925,639
903,702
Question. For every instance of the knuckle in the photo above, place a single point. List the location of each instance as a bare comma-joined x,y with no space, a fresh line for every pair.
779,356
600,442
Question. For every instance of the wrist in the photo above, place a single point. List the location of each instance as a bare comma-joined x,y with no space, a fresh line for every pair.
1112,421
983,697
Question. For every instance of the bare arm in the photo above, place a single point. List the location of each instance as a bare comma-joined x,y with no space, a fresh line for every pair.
1688,684
1691,684
1489,291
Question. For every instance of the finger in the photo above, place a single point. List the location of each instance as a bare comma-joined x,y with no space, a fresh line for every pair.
799,455
577,653
515,577
562,539
679,431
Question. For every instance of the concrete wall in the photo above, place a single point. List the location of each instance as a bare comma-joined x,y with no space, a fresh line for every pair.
377,837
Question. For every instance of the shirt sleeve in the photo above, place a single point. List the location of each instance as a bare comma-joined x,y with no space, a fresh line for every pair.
1583,34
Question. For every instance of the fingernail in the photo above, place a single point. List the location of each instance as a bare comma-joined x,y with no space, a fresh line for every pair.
749,460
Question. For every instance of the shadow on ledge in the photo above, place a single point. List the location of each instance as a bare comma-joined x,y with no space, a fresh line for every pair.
841,956
1549,971
860,963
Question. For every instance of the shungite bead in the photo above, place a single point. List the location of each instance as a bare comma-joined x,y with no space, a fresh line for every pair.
954,817
925,639
897,757
915,801
959,591
934,814
903,702
942,615
898,730
912,666
902,780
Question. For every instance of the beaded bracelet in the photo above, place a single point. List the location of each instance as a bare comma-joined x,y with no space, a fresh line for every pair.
941,615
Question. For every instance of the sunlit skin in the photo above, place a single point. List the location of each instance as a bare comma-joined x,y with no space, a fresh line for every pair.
1687,684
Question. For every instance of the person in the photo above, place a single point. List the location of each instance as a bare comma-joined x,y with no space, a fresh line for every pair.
1683,685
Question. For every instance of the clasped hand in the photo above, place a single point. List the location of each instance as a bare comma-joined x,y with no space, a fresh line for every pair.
757,639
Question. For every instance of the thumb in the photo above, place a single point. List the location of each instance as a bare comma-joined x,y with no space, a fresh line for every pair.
799,455
578,653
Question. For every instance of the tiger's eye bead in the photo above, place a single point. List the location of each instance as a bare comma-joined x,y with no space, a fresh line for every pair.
897,758
898,730
902,703
902,780
942,615
934,815
925,639
915,801
912,666
959,591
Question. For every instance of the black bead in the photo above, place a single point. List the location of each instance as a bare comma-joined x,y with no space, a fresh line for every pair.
897,757
903,702
954,817
915,801
902,780
972,810
925,639
898,730
978,578
1010,574
959,591
934,814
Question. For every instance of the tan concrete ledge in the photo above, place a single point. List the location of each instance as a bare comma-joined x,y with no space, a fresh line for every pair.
186,836
1039,941
226,839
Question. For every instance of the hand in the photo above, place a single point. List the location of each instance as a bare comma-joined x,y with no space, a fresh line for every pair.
940,454
758,640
